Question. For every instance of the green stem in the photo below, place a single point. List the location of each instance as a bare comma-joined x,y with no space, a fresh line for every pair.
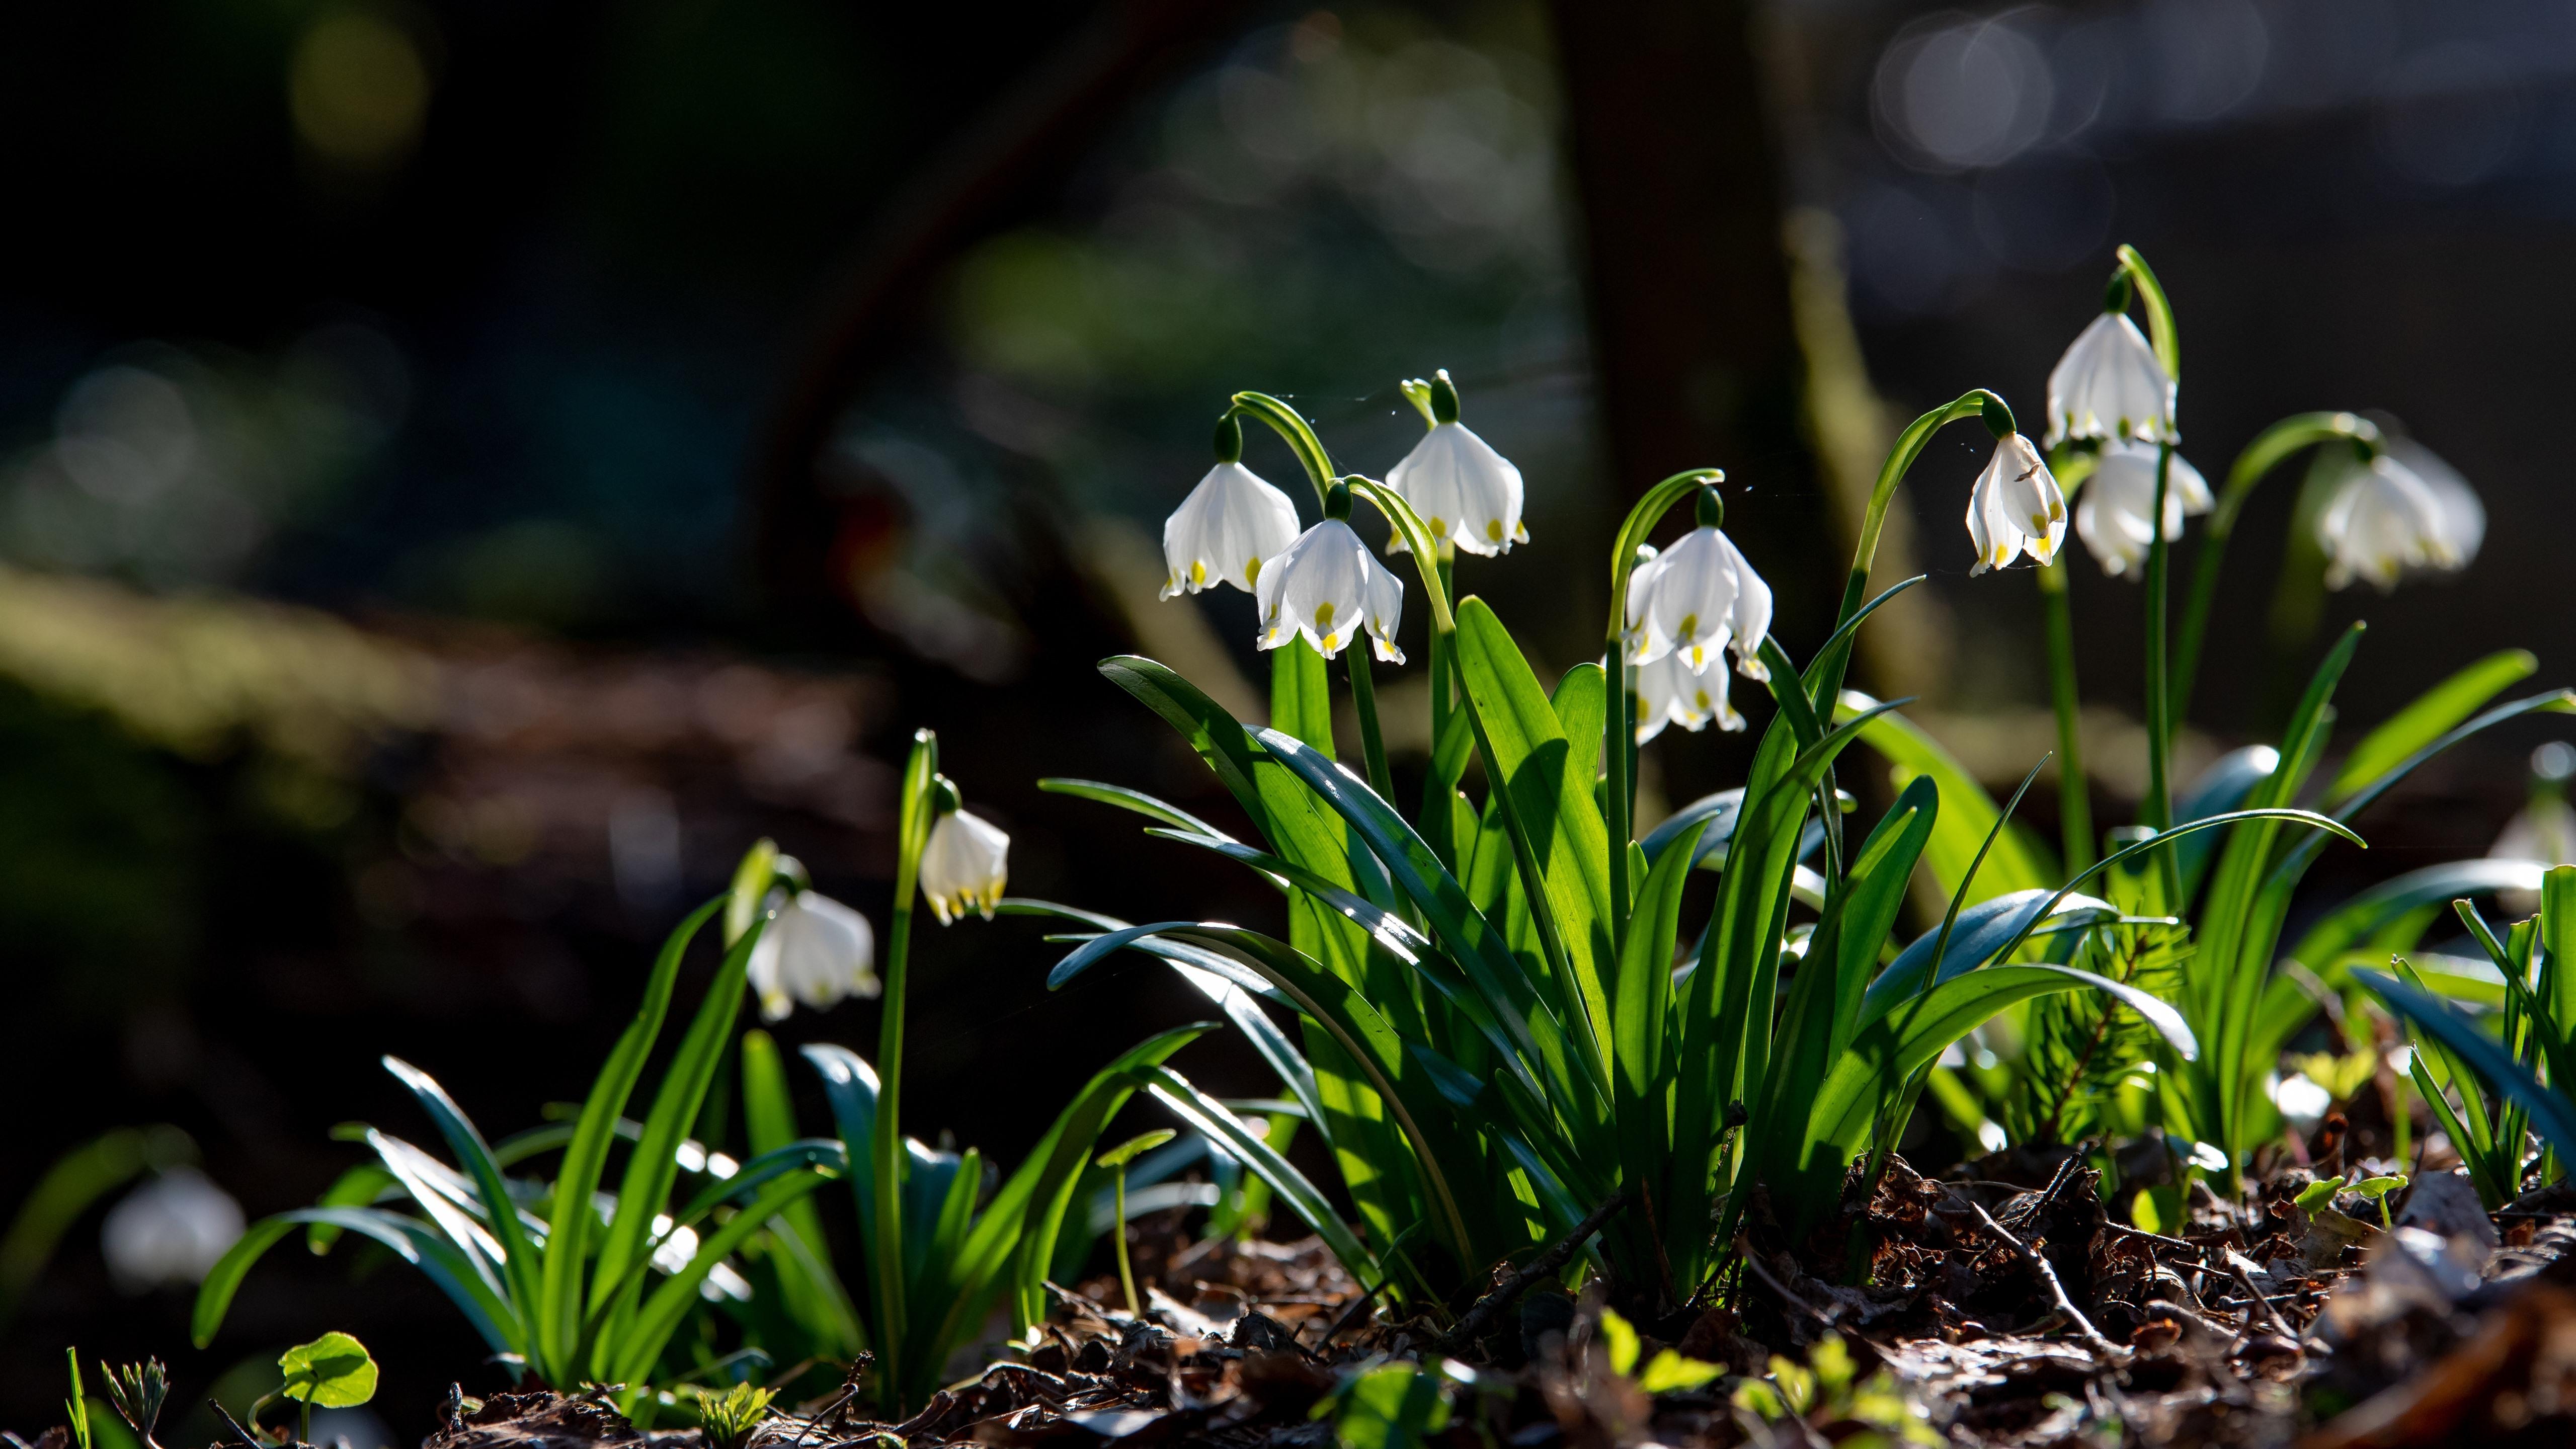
1296,432
1364,700
1830,666
1118,1231
2074,798
2157,809
2272,447
886,1269
1621,752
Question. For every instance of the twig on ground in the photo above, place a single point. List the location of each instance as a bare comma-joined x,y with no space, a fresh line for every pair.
2153,1237
2084,1328
1351,1312
1480,1316
2243,1280
1744,1255
2196,1320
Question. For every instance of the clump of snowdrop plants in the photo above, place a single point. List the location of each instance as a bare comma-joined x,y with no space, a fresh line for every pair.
1502,1009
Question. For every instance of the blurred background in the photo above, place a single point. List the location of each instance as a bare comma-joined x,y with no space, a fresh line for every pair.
468,470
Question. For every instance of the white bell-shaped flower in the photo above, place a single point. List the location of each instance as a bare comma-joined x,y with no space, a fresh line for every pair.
2385,518
1224,530
1325,586
814,950
965,866
1464,490
1671,692
2464,518
2016,507
2111,511
2110,385
171,1230
1695,599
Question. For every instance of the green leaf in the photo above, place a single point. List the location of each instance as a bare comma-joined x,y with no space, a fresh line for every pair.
2433,713
1618,1341
1208,1116
414,1242
1398,1405
661,1314
2551,1115
1136,1146
1968,813
331,1372
572,1220
1136,800
815,1301
2328,944
1670,1373
1642,1010
500,1214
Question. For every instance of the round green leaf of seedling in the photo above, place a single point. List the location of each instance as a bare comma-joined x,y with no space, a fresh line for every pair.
1136,1146
331,1372
2377,1187
2320,1193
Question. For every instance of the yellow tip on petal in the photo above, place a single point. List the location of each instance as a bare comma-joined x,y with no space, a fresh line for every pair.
1494,531
1198,572
1251,572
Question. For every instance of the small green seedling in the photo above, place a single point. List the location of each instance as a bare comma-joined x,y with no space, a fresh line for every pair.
728,1417
333,1371
137,1390
1116,1160
78,1404
1666,1373
2321,1194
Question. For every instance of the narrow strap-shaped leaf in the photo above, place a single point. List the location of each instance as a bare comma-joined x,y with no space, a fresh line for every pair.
2432,713
501,1213
1127,799
412,1241
2223,786
662,1313
2327,943
2551,1115
1719,810
1642,1006
1968,813
559,1301
652,1165
1473,943
850,1088
1388,929
814,1296
1205,1114
1983,930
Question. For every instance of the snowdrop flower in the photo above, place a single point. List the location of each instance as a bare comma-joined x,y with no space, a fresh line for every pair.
2015,507
2112,510
1697,598
1464,490
1228,525
2387,517
815,950
1671,692
2110,383
171,1230
1326,584
964,866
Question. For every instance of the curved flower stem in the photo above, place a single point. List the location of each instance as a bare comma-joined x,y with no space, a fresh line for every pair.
1827,670
2074,800
1293,429
1620,749
2272,447
920,775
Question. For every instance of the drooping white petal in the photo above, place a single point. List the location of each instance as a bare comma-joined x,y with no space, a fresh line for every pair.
1464,490
965,866
2464,518
170,1231
1223,531
2015,507
2381,521
2110,385
1327,587
2111,512
814,950
1671,692
1696,599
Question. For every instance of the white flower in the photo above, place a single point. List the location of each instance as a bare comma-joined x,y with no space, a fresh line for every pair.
2015,507
1324,586
815,950
2544,830
2391,516
2110,385
1695,599
964,866
1464,490
2111,511
1671,692
1223,531
170,1230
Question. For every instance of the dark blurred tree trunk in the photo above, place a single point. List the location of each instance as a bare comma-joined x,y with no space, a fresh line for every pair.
1694,341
